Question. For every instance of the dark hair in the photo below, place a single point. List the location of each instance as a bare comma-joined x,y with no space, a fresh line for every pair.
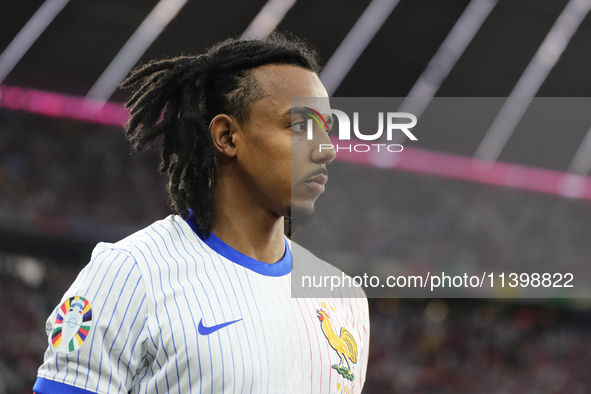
180,96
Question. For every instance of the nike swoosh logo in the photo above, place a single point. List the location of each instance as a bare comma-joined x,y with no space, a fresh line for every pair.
209,330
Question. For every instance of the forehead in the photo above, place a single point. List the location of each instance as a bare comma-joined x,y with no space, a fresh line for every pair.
280,84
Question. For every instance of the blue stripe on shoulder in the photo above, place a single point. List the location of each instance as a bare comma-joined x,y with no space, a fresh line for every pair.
280,268
46,386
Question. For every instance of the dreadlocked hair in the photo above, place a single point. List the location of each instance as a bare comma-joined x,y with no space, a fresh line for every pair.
178,98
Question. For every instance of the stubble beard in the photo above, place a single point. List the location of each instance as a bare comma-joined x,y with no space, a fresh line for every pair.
297,218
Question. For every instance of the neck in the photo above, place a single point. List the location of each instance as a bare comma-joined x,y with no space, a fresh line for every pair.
243,224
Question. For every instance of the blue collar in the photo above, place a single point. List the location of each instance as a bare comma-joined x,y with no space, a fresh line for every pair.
280,268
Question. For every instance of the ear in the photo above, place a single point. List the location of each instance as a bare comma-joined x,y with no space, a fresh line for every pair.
222,128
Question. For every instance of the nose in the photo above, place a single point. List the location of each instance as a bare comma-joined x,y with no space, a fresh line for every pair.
323,151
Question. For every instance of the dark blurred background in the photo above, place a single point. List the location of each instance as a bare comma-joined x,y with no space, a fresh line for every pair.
68,178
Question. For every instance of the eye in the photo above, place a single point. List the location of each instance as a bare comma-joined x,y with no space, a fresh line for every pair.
298,127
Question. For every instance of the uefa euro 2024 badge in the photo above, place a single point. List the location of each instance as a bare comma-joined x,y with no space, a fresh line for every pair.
72,325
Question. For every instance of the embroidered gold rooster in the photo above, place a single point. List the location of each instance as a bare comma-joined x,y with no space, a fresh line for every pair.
344,345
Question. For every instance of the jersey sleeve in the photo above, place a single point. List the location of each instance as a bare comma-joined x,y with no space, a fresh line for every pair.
98,335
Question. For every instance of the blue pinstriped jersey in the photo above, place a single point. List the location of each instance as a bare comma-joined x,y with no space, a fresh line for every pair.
165,311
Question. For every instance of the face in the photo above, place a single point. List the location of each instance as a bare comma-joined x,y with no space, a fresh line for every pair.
286,171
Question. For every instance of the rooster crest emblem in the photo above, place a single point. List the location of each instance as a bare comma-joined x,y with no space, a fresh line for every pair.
344,344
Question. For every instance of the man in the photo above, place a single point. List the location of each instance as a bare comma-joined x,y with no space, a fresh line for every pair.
202,302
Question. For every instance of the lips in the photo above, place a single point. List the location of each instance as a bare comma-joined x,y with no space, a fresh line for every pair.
321,179
317,183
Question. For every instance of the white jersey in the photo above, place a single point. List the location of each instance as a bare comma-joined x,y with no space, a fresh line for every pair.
164,311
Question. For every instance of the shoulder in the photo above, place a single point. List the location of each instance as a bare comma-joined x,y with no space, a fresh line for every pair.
310,271
168,233
155,249
306,260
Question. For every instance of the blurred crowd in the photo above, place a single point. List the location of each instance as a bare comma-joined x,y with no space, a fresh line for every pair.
26,305
478,347
55,170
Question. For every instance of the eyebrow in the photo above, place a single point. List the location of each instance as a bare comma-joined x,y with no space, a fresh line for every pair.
304,111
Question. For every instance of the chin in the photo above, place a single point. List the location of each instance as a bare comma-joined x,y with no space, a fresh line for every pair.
301,215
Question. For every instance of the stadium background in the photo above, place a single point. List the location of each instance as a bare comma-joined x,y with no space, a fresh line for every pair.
68,180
